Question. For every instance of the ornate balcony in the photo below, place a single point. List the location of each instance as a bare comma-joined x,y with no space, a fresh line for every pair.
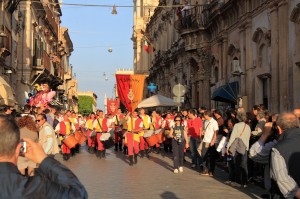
190,18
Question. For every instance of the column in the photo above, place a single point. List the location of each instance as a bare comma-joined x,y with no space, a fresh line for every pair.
242,83
225,59
249,61
220,61
283,55
274,101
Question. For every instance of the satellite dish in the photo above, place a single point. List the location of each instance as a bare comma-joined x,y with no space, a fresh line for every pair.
179,90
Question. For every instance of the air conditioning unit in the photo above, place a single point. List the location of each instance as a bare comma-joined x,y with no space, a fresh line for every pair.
38,62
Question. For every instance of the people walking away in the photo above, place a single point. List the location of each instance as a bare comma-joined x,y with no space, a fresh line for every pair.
238,146
178,134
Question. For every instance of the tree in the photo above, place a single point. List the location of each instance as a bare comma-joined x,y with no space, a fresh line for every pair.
85,105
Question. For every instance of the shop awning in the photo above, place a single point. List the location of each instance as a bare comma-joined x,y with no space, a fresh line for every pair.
6,94
226,93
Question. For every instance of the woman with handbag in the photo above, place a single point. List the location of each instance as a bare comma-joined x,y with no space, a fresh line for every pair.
238,147
178,134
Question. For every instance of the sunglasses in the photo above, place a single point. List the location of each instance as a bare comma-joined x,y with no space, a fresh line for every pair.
177,120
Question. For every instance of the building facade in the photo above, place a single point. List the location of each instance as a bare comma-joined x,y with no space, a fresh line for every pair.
34,49
227,52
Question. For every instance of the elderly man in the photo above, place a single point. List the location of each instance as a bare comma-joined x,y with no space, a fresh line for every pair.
285,159
53,179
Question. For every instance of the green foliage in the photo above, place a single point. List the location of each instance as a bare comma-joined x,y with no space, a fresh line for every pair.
85,105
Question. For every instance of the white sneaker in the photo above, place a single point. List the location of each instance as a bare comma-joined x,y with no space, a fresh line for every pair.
180,169
193,165
175,170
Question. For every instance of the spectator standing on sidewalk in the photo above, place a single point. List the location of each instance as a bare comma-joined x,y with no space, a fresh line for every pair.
53,179
242,131
194,126
285,159
207,148
28,129
260,150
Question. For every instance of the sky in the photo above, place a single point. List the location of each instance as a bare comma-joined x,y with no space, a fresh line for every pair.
93,30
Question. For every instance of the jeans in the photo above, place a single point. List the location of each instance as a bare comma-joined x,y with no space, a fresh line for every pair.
178,152
196,159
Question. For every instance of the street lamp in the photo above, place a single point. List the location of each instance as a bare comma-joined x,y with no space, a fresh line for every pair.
114,11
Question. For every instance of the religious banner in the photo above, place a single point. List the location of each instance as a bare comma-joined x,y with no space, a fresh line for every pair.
130,90
112,106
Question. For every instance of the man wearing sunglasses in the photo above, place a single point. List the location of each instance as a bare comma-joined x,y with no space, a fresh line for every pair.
47,135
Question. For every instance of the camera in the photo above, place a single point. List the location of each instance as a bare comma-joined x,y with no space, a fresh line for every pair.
275,133
23,147
178,138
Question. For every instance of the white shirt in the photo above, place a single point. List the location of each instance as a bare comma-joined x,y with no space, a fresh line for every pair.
109,122
209,129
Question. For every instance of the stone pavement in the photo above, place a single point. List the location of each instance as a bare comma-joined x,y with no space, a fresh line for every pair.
150,179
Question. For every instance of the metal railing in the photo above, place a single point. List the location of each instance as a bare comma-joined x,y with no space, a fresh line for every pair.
190,17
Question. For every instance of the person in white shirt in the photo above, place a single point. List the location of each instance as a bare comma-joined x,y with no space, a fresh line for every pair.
207,146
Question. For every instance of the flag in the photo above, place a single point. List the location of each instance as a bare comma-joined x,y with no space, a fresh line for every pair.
112,106
130,90
148,46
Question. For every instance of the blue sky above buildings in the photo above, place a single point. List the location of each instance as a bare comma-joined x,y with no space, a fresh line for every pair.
93,31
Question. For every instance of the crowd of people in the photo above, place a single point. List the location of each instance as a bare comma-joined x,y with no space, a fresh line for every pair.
249,142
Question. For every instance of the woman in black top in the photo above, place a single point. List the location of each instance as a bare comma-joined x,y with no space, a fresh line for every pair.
178,133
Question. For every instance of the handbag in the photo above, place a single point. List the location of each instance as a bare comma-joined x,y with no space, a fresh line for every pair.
238,145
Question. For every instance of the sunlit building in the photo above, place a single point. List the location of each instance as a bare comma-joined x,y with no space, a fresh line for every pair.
226,53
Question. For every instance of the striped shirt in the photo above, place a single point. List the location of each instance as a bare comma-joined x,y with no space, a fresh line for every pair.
279,173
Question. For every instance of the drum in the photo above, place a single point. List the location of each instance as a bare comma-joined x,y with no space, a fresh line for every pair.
105,136
160,136
152,140
79,136
70,141
108,143
148,133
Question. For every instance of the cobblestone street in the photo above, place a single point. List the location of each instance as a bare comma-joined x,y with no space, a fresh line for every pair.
114,178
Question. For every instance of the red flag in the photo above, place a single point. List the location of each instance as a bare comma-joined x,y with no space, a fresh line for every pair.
112,106
130,90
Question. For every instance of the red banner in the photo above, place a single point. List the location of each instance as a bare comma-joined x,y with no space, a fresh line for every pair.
112,106
130,90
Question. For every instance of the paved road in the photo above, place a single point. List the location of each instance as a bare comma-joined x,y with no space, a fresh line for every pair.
154,179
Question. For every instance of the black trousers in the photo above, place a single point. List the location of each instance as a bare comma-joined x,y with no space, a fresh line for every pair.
178,153
241,169
210,158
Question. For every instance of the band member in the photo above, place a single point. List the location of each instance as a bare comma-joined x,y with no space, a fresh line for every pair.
100,126
135,125
91,135
146,122
156,123
168,123
124,131
65,128
118,130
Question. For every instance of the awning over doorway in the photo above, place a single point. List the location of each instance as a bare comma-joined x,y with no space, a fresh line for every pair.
226,93
6,94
